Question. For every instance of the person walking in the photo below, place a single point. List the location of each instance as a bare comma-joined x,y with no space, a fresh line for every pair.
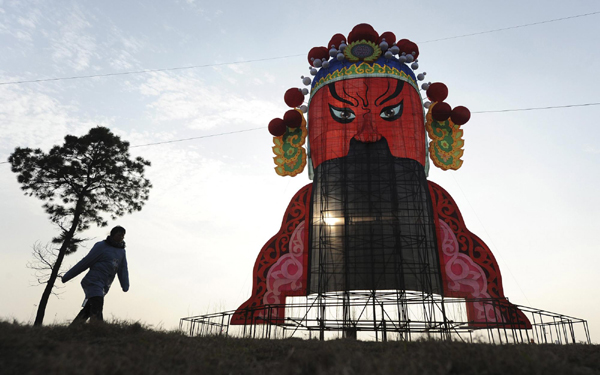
105,260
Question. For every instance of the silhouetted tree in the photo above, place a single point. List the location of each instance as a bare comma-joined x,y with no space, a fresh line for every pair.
80,181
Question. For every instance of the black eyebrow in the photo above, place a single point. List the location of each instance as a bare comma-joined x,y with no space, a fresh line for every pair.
386,91
350,96
399,87
365,100
335,95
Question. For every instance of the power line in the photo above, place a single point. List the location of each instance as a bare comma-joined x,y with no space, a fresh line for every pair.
277,57
538,108
200,137
511,27
149,70
263,127
249,130
188,139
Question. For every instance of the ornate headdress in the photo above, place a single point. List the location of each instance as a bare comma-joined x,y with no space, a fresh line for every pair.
365,53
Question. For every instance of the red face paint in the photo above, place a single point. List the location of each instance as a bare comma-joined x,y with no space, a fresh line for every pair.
366,109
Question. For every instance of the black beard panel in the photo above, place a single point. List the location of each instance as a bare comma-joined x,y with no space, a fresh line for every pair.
372,224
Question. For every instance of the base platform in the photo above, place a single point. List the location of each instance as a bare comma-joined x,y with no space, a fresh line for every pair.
388,315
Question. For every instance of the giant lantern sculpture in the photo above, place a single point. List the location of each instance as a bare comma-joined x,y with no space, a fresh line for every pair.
371,229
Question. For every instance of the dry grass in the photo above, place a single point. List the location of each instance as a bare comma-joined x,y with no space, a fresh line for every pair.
125,348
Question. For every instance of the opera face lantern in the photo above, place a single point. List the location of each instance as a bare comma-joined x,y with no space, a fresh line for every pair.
370,220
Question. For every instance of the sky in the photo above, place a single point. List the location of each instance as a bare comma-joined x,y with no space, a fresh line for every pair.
528,186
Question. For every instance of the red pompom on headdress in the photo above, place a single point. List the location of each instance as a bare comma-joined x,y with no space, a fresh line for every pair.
294,97
388,37
407,47
336,40
317,53
363,31
437,92
277,127
460,115
292,119
441,111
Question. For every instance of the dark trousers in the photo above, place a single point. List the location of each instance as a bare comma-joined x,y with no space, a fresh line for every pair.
92,309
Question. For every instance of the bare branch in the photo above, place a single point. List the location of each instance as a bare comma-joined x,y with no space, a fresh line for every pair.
44,260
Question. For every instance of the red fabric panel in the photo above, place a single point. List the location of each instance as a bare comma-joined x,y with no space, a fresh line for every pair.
446,209
251,311
330,139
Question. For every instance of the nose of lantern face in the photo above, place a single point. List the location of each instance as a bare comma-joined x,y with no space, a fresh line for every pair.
367,130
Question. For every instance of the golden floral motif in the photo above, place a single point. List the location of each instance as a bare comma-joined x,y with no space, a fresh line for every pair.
366,70
290,156
362,50
446,146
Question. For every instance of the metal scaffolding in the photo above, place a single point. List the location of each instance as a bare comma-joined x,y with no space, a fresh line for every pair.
388,316
372,225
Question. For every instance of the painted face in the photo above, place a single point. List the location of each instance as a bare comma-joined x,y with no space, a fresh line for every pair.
366,109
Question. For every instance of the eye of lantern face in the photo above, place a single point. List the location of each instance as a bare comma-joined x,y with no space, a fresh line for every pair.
342,115
392,112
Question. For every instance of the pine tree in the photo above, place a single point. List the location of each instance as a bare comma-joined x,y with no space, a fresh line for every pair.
80,182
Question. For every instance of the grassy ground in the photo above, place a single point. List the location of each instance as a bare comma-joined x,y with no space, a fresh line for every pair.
132,349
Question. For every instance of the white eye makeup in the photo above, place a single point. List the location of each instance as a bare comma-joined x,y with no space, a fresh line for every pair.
392,112
342,115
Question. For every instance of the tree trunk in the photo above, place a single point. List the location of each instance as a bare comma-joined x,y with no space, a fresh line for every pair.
41,311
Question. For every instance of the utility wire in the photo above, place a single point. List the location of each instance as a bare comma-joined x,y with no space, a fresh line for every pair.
277,57
187,139
262,127
538,108
200,137
511,27
149,70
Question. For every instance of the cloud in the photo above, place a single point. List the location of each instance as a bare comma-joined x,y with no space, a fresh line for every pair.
588,149
190,100
69,34
130,43
208,14
31,118
72,45
238,68
20,23
120,49
29,22
270,77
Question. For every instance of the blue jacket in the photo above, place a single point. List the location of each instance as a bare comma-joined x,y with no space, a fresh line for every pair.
104,261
